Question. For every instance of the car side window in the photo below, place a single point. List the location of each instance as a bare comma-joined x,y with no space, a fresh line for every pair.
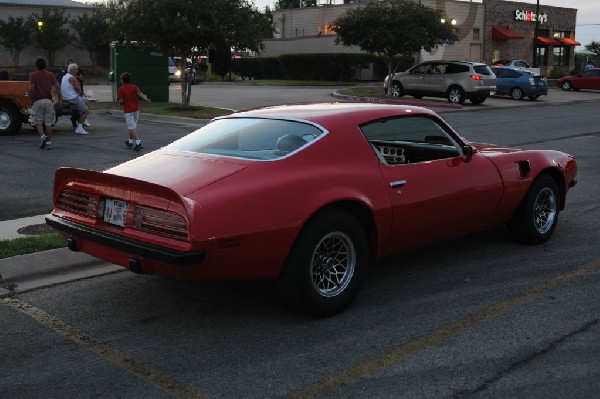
457,68
513,74
409,139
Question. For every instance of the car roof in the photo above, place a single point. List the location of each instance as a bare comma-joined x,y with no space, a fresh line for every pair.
333,112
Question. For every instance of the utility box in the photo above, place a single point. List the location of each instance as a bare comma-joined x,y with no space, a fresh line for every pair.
148,67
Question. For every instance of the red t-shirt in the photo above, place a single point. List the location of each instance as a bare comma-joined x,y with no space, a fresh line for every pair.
42,84
128,93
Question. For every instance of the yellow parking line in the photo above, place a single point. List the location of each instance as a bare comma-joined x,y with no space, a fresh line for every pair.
147,373
398,353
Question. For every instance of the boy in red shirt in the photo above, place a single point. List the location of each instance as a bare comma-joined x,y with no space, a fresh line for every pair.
128,95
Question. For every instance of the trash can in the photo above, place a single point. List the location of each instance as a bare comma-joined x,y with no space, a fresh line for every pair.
148,67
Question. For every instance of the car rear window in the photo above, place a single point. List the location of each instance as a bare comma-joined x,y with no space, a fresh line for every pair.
249,138
482,69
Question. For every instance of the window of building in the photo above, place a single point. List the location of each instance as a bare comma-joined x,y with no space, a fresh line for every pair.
560,55
476,34
541,56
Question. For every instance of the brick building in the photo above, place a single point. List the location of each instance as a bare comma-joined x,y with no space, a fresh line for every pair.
24,9
489,30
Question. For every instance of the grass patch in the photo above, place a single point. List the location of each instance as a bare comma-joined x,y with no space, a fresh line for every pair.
169,109
27,245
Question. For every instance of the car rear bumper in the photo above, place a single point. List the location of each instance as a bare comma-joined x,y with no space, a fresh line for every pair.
125,244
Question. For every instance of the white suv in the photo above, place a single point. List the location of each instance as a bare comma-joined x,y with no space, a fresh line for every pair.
454,80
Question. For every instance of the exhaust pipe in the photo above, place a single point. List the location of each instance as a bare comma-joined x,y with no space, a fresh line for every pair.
72,245
135,266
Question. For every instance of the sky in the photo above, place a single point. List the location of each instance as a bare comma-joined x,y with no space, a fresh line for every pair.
588,16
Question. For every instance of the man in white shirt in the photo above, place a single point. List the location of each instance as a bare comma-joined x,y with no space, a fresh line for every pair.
71,91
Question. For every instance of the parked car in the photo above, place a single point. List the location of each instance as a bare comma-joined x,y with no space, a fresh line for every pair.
511,63
174,69
589,79
454,80
519,83
307,194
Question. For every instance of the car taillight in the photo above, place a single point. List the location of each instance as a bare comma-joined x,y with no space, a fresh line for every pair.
159,222
476,77
79,203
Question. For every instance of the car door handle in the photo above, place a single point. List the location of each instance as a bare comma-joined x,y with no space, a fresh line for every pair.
398,183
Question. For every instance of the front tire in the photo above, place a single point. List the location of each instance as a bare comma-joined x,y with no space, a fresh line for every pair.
566,85
537,217
326,266
456,95
516,93
397,89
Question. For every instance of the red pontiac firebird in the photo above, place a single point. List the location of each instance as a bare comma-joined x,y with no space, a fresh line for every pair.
309,195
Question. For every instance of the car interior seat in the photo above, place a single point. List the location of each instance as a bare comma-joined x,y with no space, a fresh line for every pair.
289,143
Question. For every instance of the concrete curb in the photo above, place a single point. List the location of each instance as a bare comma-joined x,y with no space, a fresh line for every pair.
43,269
431,105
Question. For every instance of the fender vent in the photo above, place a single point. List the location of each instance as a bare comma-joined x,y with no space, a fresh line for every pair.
524,169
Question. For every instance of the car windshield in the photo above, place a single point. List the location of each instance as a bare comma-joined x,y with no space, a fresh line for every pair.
249,138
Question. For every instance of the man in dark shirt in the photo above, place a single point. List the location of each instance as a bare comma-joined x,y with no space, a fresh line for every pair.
43,87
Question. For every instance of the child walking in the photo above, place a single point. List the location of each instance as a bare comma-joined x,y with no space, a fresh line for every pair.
128,95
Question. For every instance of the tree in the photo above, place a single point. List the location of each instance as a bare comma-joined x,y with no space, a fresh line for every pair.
594,47
15,35
52,34
185,27
92,31
393,27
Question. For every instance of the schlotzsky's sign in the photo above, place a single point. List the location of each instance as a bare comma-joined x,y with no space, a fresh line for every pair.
530,16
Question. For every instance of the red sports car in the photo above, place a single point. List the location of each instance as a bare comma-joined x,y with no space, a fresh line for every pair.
309,195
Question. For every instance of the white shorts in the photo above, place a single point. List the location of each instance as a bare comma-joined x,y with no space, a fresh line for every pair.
132,118
43,112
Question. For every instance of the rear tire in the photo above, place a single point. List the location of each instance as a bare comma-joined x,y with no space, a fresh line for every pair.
10,119
326,266
537,216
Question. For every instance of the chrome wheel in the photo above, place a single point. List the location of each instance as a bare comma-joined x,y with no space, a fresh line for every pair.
544,210
456,95
333,264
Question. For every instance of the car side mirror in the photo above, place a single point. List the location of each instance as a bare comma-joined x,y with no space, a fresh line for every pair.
467,152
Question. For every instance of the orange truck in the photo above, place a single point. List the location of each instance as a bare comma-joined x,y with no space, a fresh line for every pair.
15,106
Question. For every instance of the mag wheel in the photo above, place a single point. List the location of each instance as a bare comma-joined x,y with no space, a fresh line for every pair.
326,267
535,220
456,95
516,93
566,85
397,89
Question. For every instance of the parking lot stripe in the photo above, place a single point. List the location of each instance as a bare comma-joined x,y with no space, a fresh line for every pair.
398,353
142,370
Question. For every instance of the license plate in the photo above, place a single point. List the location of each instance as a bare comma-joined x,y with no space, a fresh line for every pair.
115,211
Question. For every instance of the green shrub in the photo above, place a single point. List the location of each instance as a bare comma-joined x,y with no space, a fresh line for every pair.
556,74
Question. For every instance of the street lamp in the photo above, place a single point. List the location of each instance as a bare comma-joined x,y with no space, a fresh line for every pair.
40,25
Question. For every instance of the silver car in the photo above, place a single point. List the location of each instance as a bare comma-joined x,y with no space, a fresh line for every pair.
454,80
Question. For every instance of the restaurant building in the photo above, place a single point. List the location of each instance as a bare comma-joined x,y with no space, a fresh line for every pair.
489,30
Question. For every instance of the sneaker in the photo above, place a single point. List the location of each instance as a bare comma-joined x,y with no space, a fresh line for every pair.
48,145
128,144
44,142
80,130
86,123
138,147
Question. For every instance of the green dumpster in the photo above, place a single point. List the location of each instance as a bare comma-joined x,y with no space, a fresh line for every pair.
148,67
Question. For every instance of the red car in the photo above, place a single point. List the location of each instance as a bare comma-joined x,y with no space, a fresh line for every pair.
309,195
588,79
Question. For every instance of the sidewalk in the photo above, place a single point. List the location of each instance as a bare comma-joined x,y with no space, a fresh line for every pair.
43,269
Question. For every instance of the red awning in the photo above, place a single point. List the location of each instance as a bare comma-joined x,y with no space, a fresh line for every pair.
565,41
548,41
502,33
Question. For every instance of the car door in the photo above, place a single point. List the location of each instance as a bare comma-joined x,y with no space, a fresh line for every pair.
438,197
502,81
413,81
